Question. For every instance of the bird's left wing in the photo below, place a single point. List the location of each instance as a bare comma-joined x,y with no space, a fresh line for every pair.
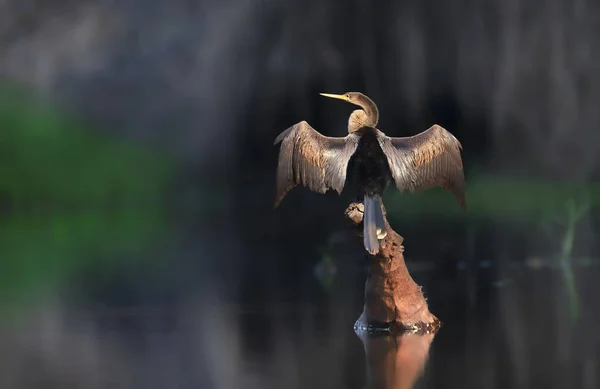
309,158
426,160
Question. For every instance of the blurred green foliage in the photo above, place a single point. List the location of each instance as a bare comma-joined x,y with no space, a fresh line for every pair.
47,158
70,197
40,252
500,198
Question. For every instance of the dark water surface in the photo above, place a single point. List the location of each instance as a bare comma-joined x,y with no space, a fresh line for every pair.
200,315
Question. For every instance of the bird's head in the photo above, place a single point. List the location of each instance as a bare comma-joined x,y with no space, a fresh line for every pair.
368,116
355,98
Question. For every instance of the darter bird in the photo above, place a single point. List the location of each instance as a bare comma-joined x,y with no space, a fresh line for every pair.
370,158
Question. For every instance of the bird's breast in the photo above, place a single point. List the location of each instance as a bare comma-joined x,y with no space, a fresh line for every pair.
370,165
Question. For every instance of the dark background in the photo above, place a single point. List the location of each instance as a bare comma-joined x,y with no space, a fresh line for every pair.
139,246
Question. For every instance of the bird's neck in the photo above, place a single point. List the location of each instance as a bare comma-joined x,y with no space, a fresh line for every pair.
371,114
362,118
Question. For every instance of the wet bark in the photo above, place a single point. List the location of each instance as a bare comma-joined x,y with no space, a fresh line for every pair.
393,301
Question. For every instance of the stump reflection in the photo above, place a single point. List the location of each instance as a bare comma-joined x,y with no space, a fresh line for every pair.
395,361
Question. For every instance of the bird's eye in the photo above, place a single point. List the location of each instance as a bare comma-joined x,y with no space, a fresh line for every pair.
348,97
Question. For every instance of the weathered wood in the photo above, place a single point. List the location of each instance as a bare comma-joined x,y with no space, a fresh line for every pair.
392,299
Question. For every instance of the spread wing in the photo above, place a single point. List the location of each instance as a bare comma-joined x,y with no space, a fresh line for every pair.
306,157
426,160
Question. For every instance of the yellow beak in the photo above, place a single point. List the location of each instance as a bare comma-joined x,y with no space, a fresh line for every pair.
340,97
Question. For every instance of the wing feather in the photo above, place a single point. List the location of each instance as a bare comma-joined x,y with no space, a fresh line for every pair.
309,158
426,160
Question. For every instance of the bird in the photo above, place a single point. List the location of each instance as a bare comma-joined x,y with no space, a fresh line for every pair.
372,159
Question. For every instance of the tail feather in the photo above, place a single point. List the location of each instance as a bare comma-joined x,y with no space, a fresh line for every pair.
373,224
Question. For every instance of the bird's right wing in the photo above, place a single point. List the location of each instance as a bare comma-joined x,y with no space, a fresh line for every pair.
306,157
426,160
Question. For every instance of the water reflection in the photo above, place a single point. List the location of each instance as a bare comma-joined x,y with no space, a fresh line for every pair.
95,322
395,361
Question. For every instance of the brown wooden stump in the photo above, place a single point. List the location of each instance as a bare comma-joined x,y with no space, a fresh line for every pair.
392,299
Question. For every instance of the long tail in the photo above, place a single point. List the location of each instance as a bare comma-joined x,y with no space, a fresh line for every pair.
373,224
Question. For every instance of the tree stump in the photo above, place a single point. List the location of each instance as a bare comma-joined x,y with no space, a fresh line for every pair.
393,301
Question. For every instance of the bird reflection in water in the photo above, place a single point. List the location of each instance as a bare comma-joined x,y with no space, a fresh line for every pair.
396,360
